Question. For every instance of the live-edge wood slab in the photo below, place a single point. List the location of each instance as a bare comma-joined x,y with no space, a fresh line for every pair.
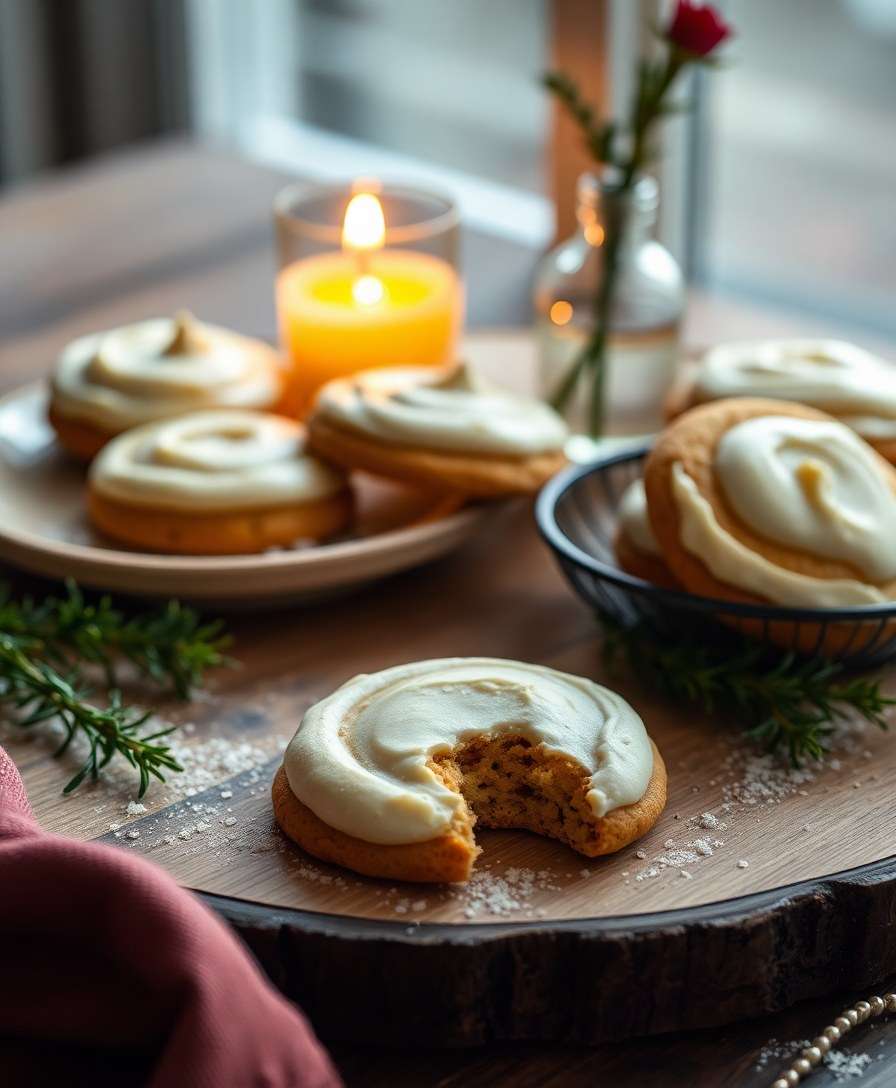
754,890
564,947
211,250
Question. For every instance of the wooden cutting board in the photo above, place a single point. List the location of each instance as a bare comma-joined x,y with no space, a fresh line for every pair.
757,888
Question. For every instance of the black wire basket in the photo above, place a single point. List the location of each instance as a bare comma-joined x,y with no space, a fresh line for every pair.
576,513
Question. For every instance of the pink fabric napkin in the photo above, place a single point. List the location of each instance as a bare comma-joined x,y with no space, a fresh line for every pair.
100,949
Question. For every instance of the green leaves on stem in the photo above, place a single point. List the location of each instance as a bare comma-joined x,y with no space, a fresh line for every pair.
627,148
787,703
598,135
170,646
44,648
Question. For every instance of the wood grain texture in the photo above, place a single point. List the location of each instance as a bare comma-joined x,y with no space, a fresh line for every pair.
522,971
500,596
796,839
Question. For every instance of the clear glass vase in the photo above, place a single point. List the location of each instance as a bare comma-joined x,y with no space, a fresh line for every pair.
642,341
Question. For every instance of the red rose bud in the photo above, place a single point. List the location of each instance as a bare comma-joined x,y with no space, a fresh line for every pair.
697,28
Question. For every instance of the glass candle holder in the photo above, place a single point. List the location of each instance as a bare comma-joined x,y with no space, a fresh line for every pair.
367,278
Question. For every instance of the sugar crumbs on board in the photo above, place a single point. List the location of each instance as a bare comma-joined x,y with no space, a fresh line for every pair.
195,824
766,778
846,1066
750,780
210,762
763,778
842,1064
510,893
679,856
777,1051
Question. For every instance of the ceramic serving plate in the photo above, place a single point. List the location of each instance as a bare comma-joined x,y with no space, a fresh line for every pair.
44,530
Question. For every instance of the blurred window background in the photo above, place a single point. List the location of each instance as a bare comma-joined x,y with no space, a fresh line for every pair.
783,174
797,149
453,83
78,77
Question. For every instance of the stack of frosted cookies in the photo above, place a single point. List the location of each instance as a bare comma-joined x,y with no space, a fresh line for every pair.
225,482
189,455
108,382
765,502
449,430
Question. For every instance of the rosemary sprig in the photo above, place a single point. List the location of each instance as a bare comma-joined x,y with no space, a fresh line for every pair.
39,692
45,646
790,702
171,646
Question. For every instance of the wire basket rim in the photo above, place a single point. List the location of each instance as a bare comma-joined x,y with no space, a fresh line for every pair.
545,518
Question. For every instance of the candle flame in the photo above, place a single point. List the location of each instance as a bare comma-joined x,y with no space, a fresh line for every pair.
364,226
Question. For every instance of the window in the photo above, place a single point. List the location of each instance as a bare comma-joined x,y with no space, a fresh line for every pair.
453,84
799,153
442,95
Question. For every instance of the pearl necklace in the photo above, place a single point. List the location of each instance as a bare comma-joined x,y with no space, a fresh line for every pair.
811,1056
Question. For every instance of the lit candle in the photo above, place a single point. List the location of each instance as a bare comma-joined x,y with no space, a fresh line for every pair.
365,306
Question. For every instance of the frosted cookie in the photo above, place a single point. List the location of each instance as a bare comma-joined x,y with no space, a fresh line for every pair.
215,483
761,501
838,378
389,774
111,381
452,431
637,549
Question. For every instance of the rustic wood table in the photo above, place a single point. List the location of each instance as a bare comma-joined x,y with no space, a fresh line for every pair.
173,225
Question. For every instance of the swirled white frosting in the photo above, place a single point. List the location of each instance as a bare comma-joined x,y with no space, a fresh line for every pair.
842,379
360,757
213,461
161,368
457,411
634,521
812,485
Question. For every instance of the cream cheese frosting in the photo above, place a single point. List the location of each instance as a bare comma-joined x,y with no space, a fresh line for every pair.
812,485
160,368
634,520
359,758
213,461
842,379
457,411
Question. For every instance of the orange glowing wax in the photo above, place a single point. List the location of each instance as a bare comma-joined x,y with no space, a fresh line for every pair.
365,306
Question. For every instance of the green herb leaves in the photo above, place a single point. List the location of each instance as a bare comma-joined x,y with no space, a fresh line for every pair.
44,648
790,703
